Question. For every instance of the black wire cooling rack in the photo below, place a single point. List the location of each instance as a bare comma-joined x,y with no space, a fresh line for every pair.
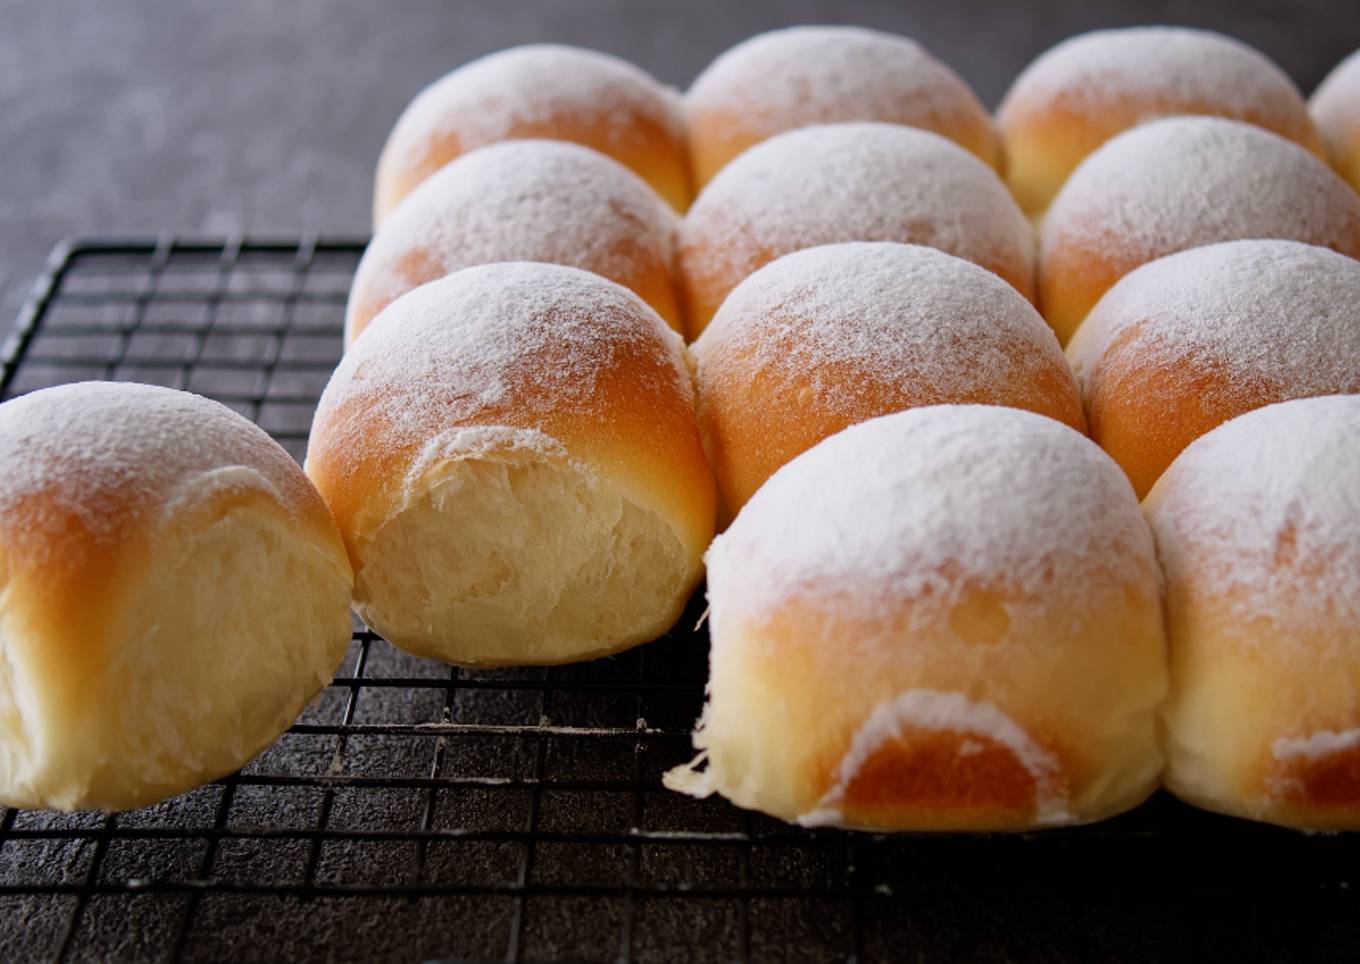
418,812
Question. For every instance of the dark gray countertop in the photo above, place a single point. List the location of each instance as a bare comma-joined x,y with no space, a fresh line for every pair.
266,117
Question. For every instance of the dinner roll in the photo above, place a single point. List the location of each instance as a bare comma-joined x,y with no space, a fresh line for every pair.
512,458
848,182
544,91
1090,87
1189,341
790,78
174,593
943,619
826,337
1176,184
528,200
1335,107
1258,530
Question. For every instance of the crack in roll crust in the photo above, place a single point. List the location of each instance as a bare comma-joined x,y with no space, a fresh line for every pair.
927,752
1322,769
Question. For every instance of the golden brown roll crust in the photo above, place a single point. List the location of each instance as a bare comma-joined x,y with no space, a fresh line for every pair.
539,91
824,338
169,517
1189,341
1182,183
1093,86
530,200
847,182
945,618
512,364
1258,530
1335,108
791,78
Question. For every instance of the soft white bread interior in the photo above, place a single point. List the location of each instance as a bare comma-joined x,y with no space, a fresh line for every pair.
1258,530
509,542
512,457
175,592
942,619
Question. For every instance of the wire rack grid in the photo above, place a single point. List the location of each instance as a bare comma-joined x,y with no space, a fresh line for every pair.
422,812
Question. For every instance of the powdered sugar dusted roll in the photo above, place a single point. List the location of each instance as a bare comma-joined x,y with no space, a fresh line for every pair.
530,200
1335,107
1188,341
826,337
1091,87
511,455
1177,184
946,618
1258,530
785,79
174,593
540,90
848,182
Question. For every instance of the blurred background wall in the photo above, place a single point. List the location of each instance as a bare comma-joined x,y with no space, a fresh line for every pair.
217,116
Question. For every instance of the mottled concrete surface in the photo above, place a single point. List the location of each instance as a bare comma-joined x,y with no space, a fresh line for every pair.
266,115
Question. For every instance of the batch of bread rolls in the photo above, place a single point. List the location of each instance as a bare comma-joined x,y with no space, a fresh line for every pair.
935,602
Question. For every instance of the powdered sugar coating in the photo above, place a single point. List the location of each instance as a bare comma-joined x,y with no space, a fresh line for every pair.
923,503
1161,68
525,200
1264,513
852,182
505,343
1182,182
539,90
537,84
119,457
1335,108
784,79
1340,86
1278,314
1316,746
1337,98
895,313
